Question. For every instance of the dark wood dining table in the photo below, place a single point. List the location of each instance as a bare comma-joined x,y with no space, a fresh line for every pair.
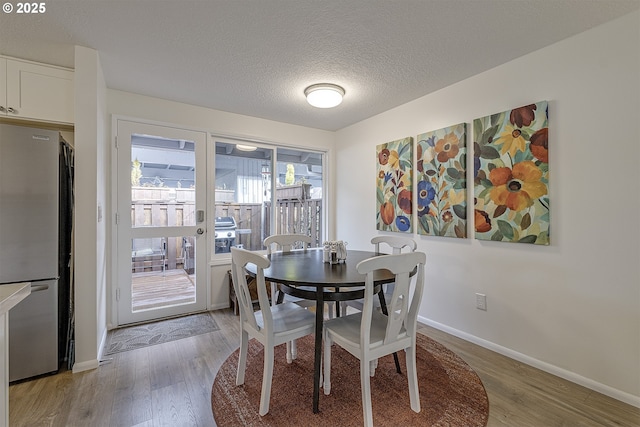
305,275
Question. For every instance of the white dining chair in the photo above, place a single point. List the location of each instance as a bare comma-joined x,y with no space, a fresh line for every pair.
286,243
271,325
381,244
369,334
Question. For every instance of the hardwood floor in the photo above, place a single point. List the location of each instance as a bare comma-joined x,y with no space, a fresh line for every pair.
170,385
520,395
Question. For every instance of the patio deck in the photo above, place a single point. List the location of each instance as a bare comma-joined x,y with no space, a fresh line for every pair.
155,289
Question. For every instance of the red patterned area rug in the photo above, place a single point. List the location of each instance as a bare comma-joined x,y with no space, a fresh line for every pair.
451,393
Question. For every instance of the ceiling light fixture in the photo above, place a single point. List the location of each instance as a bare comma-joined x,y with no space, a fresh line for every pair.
246,147
324,95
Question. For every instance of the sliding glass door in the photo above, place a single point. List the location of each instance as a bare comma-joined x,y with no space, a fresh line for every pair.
262,190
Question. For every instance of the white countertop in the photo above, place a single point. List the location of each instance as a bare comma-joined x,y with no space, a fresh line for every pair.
12,294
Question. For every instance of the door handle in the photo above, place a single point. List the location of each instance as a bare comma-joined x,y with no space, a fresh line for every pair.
200,231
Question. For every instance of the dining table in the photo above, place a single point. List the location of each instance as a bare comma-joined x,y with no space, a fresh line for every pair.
304,274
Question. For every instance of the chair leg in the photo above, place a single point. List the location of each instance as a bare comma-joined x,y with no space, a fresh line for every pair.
292,351
397,362
273,294
242,359
267,376
330,310
365,385
327,364
412,378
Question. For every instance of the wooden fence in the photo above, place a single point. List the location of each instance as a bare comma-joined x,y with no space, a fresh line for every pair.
253,220
298,217
249,218
170,253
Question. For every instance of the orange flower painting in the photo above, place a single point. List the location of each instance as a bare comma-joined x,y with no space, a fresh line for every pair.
511,175
394,185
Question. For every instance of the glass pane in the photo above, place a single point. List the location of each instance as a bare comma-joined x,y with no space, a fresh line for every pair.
162,182
299,194
242,196
162,272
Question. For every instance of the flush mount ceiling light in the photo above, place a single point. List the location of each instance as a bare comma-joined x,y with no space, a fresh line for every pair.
246,147
324,95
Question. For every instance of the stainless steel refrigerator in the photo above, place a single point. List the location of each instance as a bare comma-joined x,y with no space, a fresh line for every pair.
29,170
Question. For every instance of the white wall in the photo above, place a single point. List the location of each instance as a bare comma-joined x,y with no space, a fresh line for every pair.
90,193
572,308
219,123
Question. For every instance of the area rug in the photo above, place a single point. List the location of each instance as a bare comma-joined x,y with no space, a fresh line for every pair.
451,393
139,336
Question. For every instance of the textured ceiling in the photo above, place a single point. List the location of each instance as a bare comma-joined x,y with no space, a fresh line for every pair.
255,57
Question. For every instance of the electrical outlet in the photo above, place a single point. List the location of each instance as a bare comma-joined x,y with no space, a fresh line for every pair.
481,302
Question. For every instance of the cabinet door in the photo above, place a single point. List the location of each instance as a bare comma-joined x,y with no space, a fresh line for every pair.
39,92
3,87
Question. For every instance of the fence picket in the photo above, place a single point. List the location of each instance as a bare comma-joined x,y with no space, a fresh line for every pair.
292,216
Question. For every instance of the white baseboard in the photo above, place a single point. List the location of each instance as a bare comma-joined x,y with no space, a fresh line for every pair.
544,366
91,364
219,306
85,366
103,342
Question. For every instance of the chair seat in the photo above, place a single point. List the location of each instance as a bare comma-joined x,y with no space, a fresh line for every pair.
308,302
287,318
347,329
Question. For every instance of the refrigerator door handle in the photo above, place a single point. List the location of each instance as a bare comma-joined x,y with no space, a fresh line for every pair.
38,288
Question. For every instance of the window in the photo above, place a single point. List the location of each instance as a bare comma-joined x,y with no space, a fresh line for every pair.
262,190
298,204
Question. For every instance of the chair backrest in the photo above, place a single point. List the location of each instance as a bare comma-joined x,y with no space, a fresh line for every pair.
404,304
286,242
239,260
397,243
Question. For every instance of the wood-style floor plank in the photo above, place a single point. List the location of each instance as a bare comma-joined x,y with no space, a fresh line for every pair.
132,404
524,396
172,406
170,385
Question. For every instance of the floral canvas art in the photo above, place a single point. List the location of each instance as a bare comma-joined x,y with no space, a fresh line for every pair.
394,185
442,182
511,175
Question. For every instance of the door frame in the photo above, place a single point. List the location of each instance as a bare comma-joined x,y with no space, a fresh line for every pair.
203,267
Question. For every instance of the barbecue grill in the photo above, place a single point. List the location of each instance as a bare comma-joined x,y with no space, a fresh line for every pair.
225,234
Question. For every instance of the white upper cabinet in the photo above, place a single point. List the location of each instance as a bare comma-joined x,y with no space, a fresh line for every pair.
36,91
